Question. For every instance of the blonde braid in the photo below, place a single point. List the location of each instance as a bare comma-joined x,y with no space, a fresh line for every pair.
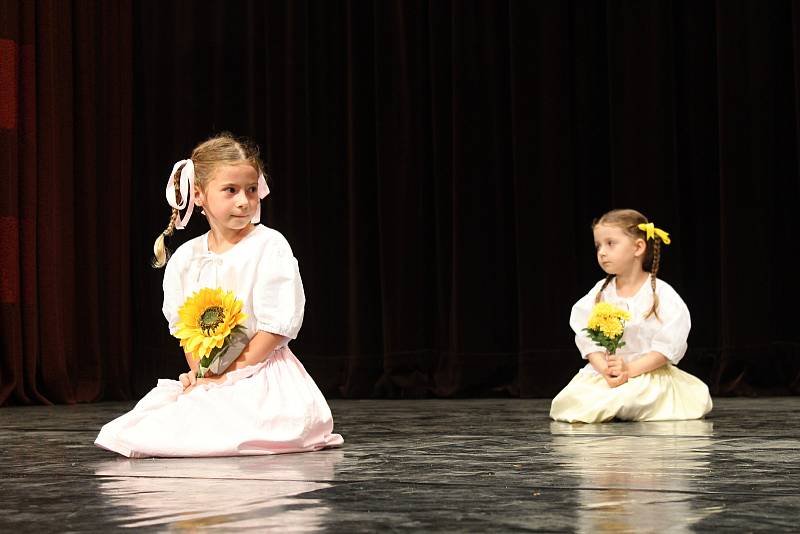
653,276
160,252
605,284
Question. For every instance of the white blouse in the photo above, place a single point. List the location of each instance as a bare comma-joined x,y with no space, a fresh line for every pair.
260,270
666,335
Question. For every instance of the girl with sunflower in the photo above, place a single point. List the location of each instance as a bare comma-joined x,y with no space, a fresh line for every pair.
635,377
234,292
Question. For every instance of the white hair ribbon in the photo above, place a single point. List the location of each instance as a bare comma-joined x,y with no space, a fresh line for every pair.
263,191
187,191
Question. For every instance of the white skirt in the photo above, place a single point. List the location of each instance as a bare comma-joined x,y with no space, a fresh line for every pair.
665,394
269,408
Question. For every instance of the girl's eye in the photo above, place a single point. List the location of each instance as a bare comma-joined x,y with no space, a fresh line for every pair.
253,189
229,190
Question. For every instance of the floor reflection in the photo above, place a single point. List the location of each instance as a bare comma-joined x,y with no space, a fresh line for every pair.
241,492
635,477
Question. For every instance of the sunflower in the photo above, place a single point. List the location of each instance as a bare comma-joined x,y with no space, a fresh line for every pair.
207,319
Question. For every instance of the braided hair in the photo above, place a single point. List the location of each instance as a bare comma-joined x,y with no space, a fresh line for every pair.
607,281
656,259
160,251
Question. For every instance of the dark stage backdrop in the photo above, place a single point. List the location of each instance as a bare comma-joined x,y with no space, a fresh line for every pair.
435,166
65,204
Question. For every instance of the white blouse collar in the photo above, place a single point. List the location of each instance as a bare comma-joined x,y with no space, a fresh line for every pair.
615,294
206,251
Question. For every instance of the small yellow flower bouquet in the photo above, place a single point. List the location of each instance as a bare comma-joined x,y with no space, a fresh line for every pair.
210,328
606,326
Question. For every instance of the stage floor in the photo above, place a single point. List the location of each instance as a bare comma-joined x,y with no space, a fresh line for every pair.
421,465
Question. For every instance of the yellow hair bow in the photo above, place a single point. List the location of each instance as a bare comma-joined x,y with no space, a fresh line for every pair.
652,232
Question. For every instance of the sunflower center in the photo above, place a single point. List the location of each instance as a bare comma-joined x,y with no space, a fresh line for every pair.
211,318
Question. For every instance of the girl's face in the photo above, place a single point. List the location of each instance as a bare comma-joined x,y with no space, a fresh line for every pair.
617,252
230,198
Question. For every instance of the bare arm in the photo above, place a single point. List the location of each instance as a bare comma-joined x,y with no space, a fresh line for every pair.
193,364
190,378
598,361
257,350
649,362
645,364
602,364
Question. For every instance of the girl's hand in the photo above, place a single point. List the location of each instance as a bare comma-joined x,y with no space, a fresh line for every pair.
187,379
617,366
205,380
616,381
598,361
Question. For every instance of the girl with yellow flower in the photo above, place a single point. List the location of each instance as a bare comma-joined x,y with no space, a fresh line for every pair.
234,298
638,379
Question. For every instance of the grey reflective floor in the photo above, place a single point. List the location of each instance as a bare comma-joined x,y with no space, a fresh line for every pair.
422,465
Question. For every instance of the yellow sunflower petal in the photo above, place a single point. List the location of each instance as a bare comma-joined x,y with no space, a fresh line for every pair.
204,349
194,343
200,331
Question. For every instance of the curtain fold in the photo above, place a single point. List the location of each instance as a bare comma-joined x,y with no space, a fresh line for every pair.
65,138
435,165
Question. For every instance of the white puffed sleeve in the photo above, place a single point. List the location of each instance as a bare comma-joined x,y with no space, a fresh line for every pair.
579,318
670,339
173,289
278,297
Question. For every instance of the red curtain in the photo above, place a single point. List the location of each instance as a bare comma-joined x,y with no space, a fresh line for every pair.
65,138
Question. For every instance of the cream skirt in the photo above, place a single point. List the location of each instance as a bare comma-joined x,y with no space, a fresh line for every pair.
665,394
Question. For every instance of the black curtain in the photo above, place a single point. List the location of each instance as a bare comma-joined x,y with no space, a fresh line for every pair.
434,164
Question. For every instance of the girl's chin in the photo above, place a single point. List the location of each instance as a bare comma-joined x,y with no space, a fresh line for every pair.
236,225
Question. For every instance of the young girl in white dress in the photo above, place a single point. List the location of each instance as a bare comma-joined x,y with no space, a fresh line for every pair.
641,381
264,402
